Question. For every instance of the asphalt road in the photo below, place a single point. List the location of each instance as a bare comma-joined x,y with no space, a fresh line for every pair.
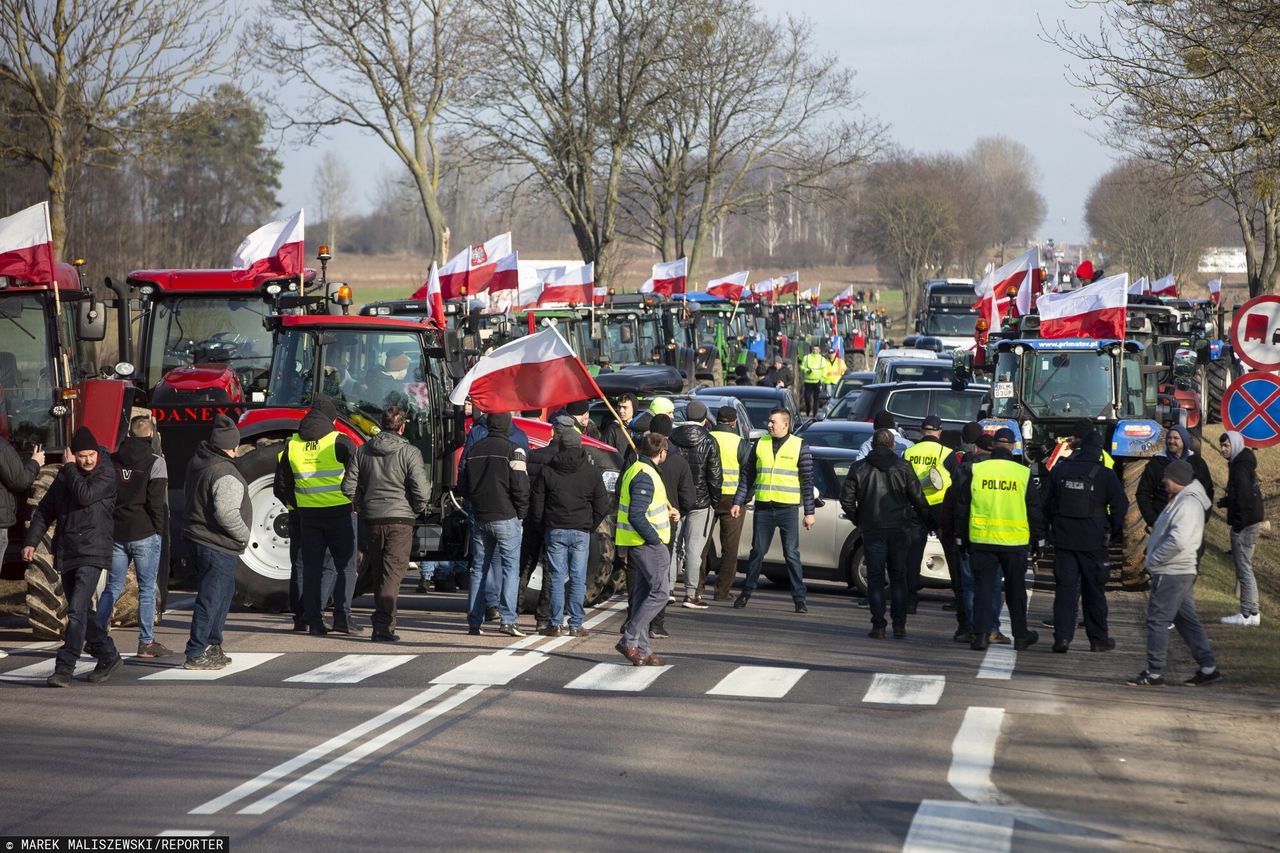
766,730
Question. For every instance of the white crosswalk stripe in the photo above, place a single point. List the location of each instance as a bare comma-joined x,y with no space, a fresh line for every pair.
351,669
240,661
890,689
492,670
615,676
43,669
759,682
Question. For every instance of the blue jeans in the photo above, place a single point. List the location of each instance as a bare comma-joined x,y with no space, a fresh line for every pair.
145,554
786,520
215,584
966,589
83,630
887,550
495,550
567,557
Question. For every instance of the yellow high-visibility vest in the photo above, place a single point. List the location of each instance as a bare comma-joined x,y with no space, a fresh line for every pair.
317,473
728,442
923,456
778,477
814,367
659,513
998,508
835,370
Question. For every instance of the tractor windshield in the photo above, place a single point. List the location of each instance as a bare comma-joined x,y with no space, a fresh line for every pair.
620,341
650,337
26,378
1068,384
950,325
206,330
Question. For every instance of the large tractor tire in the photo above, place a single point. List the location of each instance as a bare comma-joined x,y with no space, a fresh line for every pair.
603,581
1217,378
1133,572
46,599
262,572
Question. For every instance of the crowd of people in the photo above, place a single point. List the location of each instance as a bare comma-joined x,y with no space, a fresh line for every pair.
684,484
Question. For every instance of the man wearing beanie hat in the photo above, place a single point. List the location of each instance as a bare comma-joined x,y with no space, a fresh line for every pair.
1150,495
385,386
1171,560
580,411
218,517
79,504
883,420
1084,507
693,441
1243,503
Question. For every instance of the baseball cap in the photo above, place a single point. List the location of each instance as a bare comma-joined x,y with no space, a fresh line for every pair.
1004,434
932,422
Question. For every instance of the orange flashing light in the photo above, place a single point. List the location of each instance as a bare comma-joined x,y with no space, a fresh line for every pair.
344,295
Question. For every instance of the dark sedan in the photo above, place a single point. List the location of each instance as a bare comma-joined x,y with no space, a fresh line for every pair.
759,402
911,402
847,435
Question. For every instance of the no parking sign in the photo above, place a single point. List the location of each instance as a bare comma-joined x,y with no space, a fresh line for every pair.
1255,332
1251,407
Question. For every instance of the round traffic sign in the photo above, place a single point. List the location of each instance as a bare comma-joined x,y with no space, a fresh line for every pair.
1255,332
1251,407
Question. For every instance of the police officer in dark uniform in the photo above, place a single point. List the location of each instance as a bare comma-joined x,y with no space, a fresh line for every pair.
1084,506
998,520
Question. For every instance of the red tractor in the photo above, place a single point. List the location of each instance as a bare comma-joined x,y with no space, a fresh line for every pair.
49,388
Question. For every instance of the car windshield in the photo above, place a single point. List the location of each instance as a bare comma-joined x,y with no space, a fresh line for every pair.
759,409
951,325
203,330
26,383
847,439
1067,384
939,371
846,406
851,383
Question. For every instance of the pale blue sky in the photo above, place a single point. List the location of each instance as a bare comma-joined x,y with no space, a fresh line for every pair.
941,73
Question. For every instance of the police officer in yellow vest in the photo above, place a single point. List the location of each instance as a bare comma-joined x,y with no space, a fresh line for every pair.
926,457
310,472
733,453
780,472
643,525
813,369
998,520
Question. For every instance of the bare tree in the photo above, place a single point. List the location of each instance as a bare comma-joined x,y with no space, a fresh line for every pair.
389,67
87,72
333,195
1006,194
1194,84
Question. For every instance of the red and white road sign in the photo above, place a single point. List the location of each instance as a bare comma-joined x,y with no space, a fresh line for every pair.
1255,332
1251,407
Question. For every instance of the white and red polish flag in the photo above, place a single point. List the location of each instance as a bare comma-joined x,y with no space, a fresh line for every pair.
990,306
1018,273
843,298
763,290
532,372
730,287
26,245
482,262
575,287
506,273
276,247
453,275
789,283
1095,311
1167,286
431,291
600,295
1215,290
668,278
1140,287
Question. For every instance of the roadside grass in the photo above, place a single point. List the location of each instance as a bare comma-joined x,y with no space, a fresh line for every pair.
1249,656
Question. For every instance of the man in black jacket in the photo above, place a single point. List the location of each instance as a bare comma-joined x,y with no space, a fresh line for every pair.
1084,507
693,441
1151,496
733,454
142,494
616,431
216,498
79,502
1243,503
16,476
883,497
569,501
386,482
497,485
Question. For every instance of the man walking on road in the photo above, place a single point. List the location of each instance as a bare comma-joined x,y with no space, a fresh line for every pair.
80,502
643,526
386,482
1171,561
497,487
780,472
142,492
813,369
883,497
998,519
1085,506
677,477
733,453
700,450
1243,503
218,515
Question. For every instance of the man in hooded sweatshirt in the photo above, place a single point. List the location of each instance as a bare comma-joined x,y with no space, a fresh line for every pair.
80,502
310,471
1171,561
386,482
1150,495
1084,507
1243,503
694,442
497,486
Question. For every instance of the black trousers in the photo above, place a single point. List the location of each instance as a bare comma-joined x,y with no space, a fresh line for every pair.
811,392
987,566
915,555
956,572
1079,574
335,538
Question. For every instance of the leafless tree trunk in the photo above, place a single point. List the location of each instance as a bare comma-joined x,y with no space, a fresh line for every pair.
332,193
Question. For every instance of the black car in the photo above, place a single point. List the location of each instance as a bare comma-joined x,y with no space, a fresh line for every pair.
758,400
852,381
911,402
913,370
846,435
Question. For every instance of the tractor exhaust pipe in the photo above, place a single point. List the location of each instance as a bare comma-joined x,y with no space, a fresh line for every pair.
124,323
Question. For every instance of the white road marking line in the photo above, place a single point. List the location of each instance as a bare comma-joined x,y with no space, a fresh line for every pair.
367,748
762,682
43,669
186,833
240,661
605,614
553,643
519,645
905,689
998,663
336,742
351,669
490,670
616,676
973,755
950,827
30,647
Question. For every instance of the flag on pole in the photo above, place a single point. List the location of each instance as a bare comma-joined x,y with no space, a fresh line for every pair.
277,247
506,273
431,291
575,287
1018,274
1095,311
843,298
763,290
730,287
1167,286
537,371
989,305
668,278
1215,290
474,267
600,295
26,245
1140,287
788,284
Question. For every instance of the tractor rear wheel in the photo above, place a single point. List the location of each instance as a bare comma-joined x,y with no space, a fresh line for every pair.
1133,572
1217,378
262,571
46,599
